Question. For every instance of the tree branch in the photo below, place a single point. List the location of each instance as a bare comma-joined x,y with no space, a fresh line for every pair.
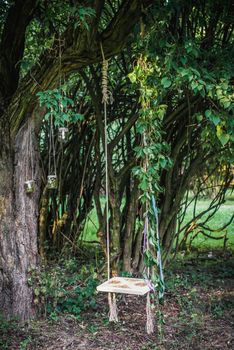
12,44
82,48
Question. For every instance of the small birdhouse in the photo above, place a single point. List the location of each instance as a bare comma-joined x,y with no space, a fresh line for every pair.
52,182
29,186
62,134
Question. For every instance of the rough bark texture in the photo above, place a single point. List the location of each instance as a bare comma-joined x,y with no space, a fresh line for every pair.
7,242
18,229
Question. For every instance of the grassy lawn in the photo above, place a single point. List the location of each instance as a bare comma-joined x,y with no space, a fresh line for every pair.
91,227
221,217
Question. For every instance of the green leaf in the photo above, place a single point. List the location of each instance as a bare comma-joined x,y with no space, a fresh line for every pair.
163,162
214,118
226,102
166,82
47,116
222,136
184,72
183,60
144,184
194,86
132,77
77,117
208,113
199,117
36,292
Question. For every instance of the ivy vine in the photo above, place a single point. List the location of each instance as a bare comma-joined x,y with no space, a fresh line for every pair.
59,106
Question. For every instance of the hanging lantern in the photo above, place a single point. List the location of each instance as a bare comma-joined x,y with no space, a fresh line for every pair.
29,186
62,134
52,182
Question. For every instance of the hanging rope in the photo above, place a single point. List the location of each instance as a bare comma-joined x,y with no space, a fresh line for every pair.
31,152
105,100
159,255
29,162
149,306
27,159
50,143
107,194
113,317
60,74
52,148
106,95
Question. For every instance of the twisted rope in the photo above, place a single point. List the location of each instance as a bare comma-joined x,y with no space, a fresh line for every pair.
106,95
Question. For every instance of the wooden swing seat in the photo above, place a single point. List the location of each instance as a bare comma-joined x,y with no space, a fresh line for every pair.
124,285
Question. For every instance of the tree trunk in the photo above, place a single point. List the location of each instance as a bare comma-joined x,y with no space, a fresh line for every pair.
130,228
115,224
18,228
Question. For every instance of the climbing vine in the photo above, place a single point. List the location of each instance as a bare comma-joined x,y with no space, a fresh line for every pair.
152,155
59,106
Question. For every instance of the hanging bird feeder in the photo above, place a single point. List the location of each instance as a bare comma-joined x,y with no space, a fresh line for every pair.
52,182
29,186
62,134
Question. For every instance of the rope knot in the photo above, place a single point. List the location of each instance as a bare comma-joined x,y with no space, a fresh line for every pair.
106,94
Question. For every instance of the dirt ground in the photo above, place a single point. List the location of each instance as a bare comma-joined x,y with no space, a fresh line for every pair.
198,314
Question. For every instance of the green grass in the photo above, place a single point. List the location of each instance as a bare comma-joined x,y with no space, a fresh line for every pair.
91,227
221,217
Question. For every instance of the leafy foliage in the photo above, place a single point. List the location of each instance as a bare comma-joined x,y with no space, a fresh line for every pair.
6,327
58,14
190,65
153,157
59,107
45,31
153,149
64,290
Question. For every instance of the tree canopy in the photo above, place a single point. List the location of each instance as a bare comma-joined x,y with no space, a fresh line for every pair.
170,127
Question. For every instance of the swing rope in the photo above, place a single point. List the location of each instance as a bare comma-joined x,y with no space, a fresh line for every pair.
113,317
107,194
31,151
106,96
105,100
27,158
159,255
51,147
29,154
146,248
150,307
149,313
